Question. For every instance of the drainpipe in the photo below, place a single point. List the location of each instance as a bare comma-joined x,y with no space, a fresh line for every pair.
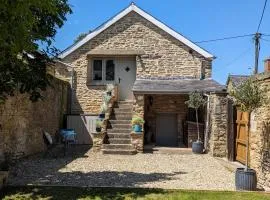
71,90
207,122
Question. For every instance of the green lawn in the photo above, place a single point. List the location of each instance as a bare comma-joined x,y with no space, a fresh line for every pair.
66,193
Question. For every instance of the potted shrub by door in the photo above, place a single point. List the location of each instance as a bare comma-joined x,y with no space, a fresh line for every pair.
195,101
247,97
98,125
109,89
137,123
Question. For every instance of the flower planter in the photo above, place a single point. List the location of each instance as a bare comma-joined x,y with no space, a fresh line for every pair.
98,129
245,180
197,147
137,128
101,116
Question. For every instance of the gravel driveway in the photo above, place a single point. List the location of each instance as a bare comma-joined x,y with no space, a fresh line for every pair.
168,171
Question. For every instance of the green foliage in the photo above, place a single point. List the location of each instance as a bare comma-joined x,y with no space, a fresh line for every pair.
195,100
80,37
114,193
248,96
27,30
137,120
103,108
99,123
109,87
106,99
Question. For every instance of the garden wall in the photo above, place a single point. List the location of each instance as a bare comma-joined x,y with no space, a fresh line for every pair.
22,122
218,125
260,136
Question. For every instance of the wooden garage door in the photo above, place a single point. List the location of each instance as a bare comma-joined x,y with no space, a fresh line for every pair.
166,131
241,136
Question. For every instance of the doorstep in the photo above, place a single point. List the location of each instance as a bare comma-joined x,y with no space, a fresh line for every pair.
150,148
230,165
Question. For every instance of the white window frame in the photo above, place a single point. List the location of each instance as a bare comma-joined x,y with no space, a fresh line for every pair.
103,81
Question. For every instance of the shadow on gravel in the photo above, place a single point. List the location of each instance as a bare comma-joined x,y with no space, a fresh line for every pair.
68,193
40,170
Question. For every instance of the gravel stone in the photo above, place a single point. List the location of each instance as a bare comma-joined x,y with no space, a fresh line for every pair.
92,169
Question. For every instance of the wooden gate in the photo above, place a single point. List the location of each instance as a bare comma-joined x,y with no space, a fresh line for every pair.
241,136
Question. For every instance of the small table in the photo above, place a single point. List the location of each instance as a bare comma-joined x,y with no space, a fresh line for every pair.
68,137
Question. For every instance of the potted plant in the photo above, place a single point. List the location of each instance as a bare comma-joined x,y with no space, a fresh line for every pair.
247,97
98,125
137,123
103,110
106,99
109,89
195,101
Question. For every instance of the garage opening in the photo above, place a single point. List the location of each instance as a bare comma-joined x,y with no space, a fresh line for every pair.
166,130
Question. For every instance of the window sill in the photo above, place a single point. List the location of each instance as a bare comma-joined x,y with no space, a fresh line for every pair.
95,84
98,84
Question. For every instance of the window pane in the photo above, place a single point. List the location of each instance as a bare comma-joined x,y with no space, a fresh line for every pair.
97,70
109,70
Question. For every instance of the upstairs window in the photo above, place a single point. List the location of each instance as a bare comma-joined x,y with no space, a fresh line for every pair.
97,70
109,70
103,70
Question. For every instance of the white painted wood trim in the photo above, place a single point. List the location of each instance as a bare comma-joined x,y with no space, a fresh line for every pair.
147,16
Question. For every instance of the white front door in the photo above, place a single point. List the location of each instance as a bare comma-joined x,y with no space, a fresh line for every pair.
126,77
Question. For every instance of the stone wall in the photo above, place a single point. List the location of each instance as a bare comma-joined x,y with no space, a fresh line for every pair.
138,105
260,136
22,122
218,125
166,104
164,56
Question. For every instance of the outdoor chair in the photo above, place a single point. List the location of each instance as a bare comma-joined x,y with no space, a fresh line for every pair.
49,142
68,138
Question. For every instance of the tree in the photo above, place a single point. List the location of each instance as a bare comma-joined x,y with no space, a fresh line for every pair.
27,30
80,37
248,97
195,101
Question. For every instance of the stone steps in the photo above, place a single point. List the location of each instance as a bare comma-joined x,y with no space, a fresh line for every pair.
119,130
119,151
119,141
118,135
121,126
121,117
118,146
120,122
122,110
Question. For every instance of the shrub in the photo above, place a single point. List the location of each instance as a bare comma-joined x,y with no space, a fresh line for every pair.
103,108
99,123
137,120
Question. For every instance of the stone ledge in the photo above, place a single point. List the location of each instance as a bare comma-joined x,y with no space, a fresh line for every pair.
137,140
98,139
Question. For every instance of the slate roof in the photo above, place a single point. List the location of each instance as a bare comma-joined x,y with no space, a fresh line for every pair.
179,86
237,79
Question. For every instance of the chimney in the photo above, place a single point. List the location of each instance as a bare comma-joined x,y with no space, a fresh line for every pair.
267,65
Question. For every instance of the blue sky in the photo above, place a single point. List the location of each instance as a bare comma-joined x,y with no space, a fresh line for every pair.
197,20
